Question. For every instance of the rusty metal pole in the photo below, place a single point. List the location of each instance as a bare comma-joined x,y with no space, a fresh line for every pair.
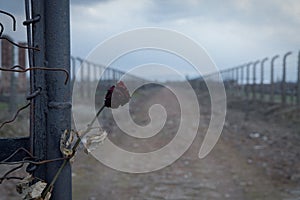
283,82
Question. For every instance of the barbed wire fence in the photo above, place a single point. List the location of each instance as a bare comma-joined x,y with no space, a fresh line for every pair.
274,80
86,73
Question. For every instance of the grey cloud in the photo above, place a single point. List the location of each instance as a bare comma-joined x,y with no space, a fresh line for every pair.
87,2
15,7
256,12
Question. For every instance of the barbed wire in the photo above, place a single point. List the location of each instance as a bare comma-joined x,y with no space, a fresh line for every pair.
12,17
29,159
23,70
15,115
19,45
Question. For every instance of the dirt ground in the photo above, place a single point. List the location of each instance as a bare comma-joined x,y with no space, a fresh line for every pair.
256,157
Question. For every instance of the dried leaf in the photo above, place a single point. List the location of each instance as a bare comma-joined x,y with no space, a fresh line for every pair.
31,192
37,189
93,141
24,184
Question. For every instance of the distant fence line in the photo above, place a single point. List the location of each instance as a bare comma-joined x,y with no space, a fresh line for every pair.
265,80
15,87
87,73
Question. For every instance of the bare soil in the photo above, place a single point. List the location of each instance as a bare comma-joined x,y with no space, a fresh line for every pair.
256,157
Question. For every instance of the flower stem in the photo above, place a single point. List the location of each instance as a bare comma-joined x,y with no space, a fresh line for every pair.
89,126
97,115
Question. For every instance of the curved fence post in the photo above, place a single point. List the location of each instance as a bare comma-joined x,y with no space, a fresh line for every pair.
262,78
254,80
283,83
272,78
248,79
298,81
242,80
237,80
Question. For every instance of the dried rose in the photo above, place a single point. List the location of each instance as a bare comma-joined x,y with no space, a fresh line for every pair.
117,96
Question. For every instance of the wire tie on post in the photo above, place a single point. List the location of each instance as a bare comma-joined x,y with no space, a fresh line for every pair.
34,94
31,21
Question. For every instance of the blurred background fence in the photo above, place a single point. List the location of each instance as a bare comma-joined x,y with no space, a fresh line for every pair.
87,73
15,86
273,80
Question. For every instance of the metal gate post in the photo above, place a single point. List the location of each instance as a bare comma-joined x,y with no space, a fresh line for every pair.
51,110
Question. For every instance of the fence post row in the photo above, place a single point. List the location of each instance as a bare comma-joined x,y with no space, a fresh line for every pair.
242,83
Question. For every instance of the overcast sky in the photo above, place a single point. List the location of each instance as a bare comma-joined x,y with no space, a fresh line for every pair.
233,31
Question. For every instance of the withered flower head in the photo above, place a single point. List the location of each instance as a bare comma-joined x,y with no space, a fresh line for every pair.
117,96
